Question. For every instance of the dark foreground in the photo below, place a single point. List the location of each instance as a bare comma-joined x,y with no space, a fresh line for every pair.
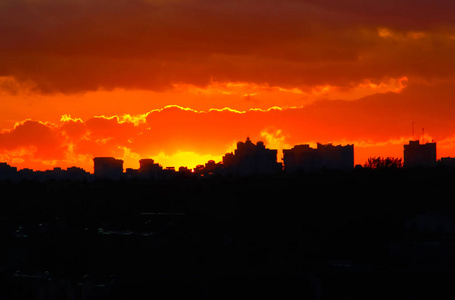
358,235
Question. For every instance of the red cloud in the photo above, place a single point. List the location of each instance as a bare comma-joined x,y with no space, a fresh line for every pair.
45,138
381,120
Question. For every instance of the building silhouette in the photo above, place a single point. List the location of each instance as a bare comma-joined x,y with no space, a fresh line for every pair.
324,157
251,159
148,169
419,155
6,171
447,162
108,168
247,159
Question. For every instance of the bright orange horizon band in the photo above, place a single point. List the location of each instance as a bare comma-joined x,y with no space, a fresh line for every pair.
173,136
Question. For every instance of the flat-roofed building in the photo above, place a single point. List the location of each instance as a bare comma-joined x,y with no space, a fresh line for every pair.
7,171
419,155
148,169
108,168
303,158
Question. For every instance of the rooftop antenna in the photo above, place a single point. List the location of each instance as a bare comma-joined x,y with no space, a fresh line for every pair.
413,131
423,135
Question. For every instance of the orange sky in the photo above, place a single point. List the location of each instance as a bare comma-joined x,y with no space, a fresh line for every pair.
182,81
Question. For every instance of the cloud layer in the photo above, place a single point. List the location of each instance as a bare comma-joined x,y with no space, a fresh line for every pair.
72,46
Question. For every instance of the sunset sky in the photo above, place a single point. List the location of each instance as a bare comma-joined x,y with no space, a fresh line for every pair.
182,81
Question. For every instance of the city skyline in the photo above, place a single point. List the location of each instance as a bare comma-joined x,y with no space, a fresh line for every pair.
246,160
182,81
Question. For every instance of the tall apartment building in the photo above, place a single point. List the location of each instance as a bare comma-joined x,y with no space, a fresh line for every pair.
419,155
108,168
324,157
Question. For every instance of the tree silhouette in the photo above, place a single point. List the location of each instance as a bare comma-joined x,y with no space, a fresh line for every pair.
383,163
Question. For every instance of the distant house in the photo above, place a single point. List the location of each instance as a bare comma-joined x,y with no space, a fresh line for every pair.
324,157
251,159
108,168
419,155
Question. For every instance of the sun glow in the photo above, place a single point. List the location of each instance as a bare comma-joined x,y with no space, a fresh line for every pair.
184,158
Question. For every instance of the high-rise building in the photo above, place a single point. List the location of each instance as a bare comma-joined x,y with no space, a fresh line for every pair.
328,157
251,159
419,155
108,168
6,171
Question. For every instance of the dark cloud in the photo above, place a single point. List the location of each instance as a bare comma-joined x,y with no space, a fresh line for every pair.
72,46
402,15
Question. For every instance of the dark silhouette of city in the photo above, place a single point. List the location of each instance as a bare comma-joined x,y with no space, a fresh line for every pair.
313,226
